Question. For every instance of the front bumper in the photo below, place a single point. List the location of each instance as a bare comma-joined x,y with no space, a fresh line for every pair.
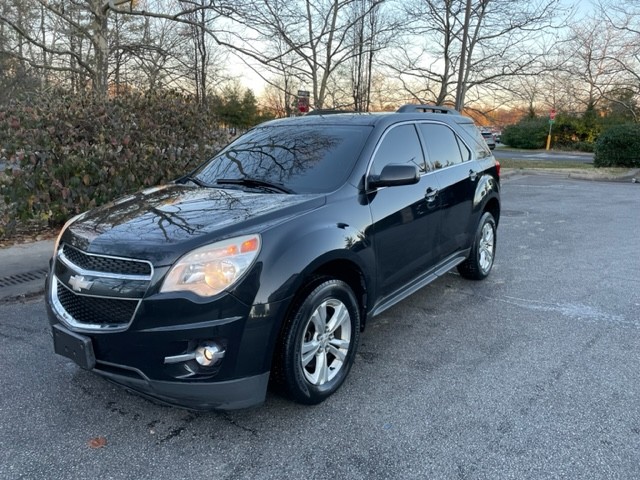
108,317
227,395
197,395
168,326
224,395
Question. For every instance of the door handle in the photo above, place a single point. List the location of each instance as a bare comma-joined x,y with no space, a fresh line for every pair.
431,194
473,175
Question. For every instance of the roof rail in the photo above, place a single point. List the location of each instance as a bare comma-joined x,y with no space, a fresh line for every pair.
328,111
412,108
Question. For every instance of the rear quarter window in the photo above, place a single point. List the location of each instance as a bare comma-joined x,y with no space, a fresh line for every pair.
476,140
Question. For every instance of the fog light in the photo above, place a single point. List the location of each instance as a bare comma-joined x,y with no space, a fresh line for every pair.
209,353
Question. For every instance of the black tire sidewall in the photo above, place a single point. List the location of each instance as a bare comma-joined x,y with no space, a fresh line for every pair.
486,218
299,386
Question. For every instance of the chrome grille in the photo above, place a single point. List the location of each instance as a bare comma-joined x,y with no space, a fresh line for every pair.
96,310
106,309
98,263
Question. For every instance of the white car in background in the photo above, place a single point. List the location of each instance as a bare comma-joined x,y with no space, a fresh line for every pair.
490,139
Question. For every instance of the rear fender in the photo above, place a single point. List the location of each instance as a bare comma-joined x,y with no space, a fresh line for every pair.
486,189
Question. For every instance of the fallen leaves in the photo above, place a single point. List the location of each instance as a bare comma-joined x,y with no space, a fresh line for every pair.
97,442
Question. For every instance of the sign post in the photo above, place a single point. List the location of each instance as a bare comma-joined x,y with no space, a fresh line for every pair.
552,119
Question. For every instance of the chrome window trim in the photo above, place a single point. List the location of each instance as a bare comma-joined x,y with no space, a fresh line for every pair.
425,152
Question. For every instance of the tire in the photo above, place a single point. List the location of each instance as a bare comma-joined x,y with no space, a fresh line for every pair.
480,261
318,344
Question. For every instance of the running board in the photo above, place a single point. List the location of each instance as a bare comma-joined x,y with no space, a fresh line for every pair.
417,284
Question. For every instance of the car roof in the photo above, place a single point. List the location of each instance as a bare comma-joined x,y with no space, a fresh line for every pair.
407,112
333,119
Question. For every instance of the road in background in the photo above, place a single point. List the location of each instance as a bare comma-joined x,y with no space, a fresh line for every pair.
543,155
533,373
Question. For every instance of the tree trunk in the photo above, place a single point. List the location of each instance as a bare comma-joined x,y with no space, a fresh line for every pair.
460,87
99,29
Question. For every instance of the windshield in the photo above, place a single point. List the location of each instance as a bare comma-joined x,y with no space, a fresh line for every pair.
301,158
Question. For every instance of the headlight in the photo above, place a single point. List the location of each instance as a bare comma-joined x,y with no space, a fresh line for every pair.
209,270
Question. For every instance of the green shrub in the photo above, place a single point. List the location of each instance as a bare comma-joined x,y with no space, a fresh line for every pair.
584,146
529,133
618,146
567,132
67,154
573,133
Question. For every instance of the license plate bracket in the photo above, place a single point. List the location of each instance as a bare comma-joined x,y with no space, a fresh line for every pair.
74,346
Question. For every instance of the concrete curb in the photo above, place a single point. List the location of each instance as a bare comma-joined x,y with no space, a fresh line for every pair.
23,269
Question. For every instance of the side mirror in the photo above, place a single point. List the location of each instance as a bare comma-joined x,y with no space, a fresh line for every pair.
394,175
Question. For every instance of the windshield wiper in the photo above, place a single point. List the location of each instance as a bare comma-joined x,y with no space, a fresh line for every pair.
253,182
196,180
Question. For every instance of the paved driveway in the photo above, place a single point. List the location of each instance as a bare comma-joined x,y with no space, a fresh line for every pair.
533,373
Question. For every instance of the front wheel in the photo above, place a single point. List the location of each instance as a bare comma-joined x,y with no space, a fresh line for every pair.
483,251
319,342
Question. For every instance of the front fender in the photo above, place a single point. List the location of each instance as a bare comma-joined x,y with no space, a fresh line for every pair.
292,260
295,257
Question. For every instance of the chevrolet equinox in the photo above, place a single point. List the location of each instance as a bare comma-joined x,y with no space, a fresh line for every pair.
265,263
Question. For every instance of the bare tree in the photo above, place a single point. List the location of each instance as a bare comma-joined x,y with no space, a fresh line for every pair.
625,20
592,65
97,43
84,50
470,46
315,33
366,42
205,60
284,82
275,101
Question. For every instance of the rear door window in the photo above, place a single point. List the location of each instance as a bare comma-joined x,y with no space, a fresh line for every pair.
443,145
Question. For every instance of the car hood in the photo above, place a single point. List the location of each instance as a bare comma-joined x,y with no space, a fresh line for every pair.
162,224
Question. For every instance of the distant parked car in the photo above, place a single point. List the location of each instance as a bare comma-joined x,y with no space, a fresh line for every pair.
490,139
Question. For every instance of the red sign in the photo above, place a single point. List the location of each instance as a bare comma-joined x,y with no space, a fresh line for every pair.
303,101
552,114
303,104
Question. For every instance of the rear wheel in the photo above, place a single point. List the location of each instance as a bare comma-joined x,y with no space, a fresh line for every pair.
483,251
319,343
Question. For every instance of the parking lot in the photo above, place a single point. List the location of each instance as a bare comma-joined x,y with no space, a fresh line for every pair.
533,373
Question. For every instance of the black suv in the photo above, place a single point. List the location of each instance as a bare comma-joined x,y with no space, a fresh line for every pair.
267,261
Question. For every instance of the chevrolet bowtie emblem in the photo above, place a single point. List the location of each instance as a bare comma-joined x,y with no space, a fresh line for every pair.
78,283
